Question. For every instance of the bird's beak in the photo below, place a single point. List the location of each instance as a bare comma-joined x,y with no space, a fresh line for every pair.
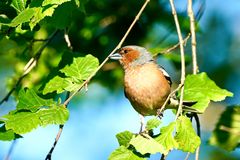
116,56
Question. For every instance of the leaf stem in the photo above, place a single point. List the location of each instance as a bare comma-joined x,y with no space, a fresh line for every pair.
181,43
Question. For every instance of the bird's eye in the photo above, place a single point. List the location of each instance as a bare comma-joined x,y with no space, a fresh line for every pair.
125,51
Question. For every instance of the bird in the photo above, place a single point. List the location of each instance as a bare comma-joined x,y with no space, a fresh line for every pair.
147,85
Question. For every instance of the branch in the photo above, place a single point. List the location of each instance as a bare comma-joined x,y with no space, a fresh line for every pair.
67,40
176,45
193,38
69,97
29,66
181,43
194,61
113,51
49,155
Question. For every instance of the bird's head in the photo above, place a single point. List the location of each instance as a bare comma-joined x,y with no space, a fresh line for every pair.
130,56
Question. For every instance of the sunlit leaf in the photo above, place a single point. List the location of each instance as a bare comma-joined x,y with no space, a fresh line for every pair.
122,153
186,136
147,145
23,17
19,5
153,123
166,137
81,68
227,132
50,2
202,89
21,122
7,135
29,100
56,84
55,115
124,138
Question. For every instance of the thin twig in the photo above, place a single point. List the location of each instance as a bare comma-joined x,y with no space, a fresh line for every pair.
159,111
181,42
10,150
67,39
113,51
187,156
193,37
29,66
49,155
194,61
176,45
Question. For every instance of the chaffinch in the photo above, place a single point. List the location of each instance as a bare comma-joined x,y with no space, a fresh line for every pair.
146,84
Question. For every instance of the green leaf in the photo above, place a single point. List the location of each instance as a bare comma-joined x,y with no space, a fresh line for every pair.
81,68
23,17
19,5
55,115
227,132
124,138
202,89
153,123
166,137
56,84
41,13
186,136
29,100
7,135
21,122
50,2
122,153
147,145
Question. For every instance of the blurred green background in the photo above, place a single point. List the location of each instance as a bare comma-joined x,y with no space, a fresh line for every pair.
97,115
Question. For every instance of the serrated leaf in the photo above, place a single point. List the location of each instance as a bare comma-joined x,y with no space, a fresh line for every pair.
41,13
21,122
227,132
147,145
186,136
202,89
122,153
19,5
55,84
7,135
124,138
29,100
153,123
55,115
51,2
81,68
23,17
166,137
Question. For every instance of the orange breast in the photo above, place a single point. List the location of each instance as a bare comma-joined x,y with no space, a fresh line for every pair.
146,88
